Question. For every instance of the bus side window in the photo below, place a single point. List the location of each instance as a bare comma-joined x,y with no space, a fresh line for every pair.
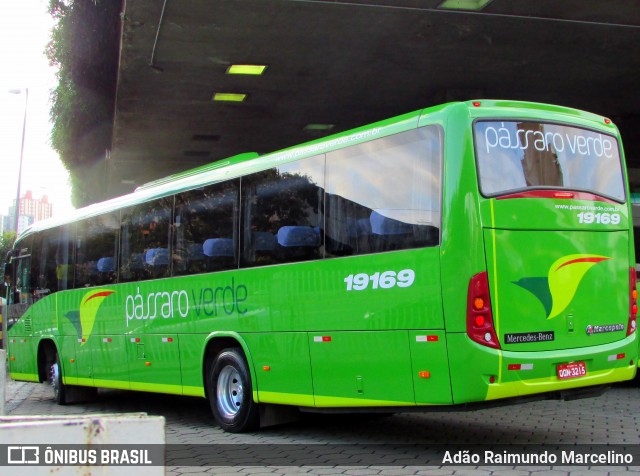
145,241
206,229
43,260
38,260
64,257
21,292
385,194
282,209
96,250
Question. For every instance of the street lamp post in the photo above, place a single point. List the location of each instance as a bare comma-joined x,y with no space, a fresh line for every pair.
24,129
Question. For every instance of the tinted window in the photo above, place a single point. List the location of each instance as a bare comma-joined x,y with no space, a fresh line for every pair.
96,250
146,233
517,155
51,261
385,194
282,213
21,279
206,229
64,257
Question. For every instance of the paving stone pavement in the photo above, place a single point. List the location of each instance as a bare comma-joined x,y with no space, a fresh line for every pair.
613,418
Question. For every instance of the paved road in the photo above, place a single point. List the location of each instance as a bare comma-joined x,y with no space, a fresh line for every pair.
613,418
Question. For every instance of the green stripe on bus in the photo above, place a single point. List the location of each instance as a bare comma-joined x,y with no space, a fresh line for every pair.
286,398
25,377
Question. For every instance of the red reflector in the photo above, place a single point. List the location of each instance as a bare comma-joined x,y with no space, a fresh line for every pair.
620,356
514,367
492,379
432,338
326,338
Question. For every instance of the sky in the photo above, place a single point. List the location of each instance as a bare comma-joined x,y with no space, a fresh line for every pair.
25,28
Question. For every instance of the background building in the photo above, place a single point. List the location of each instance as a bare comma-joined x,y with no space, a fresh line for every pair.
30,209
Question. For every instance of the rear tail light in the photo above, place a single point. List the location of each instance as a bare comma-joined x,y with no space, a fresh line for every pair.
479,314
633,302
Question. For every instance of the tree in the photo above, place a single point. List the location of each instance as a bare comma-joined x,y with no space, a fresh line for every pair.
6,242
84,46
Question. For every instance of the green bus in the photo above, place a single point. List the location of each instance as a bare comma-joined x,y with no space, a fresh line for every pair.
466,254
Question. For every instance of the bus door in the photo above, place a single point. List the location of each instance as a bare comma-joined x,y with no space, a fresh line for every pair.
19,328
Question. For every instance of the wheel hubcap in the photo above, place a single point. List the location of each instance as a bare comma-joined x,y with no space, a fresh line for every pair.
229,391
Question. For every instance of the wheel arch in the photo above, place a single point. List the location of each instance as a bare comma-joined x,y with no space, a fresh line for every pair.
47,351
215,343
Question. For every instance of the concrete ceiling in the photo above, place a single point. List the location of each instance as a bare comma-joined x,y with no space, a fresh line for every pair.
349,63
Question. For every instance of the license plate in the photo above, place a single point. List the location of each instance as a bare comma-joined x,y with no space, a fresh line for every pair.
572,370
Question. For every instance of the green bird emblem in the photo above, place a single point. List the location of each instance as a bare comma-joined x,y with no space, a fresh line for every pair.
557,289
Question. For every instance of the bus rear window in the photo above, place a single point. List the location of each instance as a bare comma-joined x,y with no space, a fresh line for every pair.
519,155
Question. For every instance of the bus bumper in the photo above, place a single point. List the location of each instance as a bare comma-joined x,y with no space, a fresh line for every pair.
480,373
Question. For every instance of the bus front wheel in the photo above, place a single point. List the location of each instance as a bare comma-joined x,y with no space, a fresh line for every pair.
230,392
55,379
65,394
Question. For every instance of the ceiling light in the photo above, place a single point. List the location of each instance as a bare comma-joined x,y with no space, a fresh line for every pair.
250,69
463,4
319,127
229,97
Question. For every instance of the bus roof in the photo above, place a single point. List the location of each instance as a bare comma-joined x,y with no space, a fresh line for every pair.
251,162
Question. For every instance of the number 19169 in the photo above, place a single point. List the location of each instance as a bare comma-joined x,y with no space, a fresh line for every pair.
384,280
600,218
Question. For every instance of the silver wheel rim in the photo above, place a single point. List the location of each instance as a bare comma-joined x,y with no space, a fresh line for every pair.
54,376
229,391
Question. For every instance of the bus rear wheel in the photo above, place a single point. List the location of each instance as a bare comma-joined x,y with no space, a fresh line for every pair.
230,392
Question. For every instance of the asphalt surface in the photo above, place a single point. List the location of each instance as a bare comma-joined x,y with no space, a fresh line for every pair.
386,445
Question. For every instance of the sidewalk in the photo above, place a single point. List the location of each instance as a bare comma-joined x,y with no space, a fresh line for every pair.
17,394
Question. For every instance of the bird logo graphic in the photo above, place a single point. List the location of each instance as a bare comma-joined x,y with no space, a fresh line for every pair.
557,289
84,319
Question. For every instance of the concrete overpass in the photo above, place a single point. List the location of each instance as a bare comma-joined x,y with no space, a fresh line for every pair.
346,63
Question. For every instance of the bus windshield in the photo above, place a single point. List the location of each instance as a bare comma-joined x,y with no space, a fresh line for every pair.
518,155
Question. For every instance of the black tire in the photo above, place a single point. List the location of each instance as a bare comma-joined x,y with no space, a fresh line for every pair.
230,392
66,394
55,379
